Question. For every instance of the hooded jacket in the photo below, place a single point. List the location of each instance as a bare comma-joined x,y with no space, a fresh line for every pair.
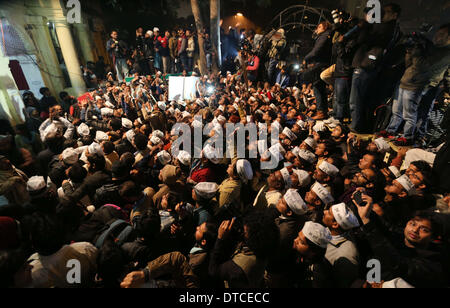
171,183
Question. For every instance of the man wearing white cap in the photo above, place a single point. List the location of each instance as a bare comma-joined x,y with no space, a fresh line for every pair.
69,156
289,134
202,169
101,136
183,161
162,106
83,130
300,179
309,144
305,159
94,148
291,208
56,118
154,140
317,197
325,172
202,194
291,204
271,192
36,186
341,251
163,157
400,187
184,158
106,112
230,188
420,174
311,243
402,200
126,123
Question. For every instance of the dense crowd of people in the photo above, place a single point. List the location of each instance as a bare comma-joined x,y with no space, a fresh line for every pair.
169,52
96,179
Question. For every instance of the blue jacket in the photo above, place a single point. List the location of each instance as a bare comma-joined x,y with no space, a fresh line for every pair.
283,80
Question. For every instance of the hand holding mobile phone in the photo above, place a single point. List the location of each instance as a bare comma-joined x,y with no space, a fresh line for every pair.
358,198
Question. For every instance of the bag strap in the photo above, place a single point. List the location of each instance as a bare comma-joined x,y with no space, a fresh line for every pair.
124,235
107,232
113,206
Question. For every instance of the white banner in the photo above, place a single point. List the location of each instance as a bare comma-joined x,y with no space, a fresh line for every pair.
181,88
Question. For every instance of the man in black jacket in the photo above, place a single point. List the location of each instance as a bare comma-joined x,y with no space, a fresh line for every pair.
413,258
290,222
109,191
245,267
96,178
117,50
344,50
319,58
374,41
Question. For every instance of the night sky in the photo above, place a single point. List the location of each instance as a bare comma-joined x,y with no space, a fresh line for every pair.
128,14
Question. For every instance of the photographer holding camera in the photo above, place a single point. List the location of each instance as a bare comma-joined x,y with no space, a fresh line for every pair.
340,73
140,52
117,50
425,67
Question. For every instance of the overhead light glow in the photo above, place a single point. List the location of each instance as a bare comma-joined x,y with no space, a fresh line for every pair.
239,14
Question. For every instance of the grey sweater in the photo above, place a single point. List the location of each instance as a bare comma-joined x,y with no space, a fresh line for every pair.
344,257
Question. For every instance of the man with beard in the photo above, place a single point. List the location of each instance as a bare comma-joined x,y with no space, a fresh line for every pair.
365,179
325,174
317,198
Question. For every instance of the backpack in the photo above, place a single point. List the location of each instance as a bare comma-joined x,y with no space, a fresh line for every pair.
119,231
108,193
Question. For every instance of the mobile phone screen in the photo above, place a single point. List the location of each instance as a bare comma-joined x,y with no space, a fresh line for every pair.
358,199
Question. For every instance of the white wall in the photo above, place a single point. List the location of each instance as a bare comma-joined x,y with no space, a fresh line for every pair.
31,72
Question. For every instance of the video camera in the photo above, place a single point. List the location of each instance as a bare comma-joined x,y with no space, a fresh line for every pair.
246,45
340,16
418,40
344,23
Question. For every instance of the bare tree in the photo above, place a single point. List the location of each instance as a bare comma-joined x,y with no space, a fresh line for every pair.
215,34
199,24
